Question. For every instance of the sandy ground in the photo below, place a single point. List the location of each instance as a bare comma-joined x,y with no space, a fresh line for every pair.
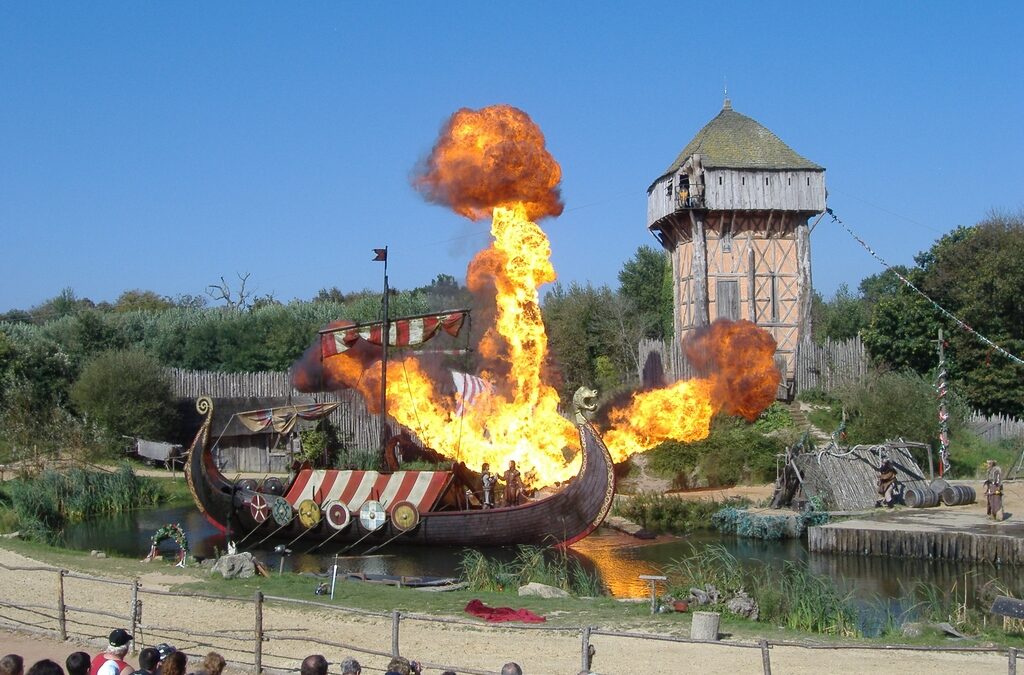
195,625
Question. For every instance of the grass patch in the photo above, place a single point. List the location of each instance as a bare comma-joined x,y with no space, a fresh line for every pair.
668,514
968,452
531,564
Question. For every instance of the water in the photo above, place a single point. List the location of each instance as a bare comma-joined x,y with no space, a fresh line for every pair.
617,557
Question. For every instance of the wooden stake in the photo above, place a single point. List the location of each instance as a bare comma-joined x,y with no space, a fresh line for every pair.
258,652
586,649
135,614
61,610
396,617
766,659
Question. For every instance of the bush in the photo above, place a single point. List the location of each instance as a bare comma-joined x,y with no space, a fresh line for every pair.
774,418
128,393
665,513
734,452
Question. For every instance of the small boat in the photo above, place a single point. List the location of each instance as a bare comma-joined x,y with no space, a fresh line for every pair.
372,508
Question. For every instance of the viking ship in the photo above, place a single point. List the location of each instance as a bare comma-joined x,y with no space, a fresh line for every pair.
374,508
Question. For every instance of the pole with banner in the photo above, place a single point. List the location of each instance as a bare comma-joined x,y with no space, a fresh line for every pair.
381,255
941,387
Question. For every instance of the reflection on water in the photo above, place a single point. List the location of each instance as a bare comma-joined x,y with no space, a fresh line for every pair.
618,558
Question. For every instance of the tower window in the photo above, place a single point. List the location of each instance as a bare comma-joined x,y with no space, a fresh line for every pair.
808,182
789,181
766,180
719,180
743,181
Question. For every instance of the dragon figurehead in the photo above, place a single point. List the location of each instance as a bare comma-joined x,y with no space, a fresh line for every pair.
584,402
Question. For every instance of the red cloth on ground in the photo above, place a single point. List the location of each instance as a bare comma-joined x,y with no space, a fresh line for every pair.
499,614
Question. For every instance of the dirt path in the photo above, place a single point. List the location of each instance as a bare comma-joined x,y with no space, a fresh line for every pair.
195,624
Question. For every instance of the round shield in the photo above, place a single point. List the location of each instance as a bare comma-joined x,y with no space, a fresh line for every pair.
273,486
258,508
372,515
309,514
246,484
336,514
281,510
405,516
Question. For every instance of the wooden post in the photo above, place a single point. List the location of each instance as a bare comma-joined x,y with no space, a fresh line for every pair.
396,617
135,614
585,662
1012,665
61,610
766,660
258,651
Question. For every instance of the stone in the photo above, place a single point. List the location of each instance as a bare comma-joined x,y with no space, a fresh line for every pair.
912,630
240,565
533,589
101,554
699,596
743,605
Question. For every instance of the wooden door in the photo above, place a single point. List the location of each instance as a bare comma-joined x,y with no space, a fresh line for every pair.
728,299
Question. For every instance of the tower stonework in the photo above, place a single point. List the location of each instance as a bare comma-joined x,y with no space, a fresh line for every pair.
732,211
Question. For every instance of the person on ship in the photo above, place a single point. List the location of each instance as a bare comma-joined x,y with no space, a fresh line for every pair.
513,485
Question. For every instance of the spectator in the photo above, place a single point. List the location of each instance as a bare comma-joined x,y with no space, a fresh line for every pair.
149,661
45,667
77,664
12,664
176,663
111,660
511,668
351,667
315,664
448,672
212,664
400,665
164,650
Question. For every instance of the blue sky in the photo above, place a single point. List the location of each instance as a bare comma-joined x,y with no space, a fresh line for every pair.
161,145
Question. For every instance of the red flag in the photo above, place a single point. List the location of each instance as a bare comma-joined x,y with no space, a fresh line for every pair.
380,255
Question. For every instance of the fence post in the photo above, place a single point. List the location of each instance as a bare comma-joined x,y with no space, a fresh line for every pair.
135,614
396,617
1012,665
61,610
585,655
766,659
258,651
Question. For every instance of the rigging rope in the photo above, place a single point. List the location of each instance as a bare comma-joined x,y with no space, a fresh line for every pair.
960,322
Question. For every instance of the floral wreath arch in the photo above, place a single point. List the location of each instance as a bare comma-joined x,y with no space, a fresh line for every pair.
169,531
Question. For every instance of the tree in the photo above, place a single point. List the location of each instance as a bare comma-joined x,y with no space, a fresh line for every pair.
141,301
235,299
841,317
128,393
642,282
66,303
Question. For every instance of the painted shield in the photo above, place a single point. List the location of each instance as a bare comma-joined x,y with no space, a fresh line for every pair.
258,508
281,510
404,516
372,515
336,514
309,513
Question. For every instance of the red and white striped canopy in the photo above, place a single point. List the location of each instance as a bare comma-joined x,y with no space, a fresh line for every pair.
401,332
352,488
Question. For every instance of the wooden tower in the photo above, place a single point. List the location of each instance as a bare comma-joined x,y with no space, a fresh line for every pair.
732,211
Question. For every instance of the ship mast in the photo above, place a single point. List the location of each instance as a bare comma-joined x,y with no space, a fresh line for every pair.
382,256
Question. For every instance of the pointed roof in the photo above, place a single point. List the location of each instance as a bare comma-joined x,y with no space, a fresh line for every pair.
735,141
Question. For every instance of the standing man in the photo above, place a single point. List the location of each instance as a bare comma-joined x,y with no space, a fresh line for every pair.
994,490
487,481
513,484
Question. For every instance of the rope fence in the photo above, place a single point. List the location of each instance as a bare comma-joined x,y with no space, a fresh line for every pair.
246,646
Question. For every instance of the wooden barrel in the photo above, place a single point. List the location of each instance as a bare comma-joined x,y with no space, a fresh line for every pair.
955,495
920,498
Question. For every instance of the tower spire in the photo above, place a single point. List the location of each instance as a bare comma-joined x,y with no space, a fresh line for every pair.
726,104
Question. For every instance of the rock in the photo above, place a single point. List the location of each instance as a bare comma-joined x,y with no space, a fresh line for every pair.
101,554
743,605
240,565
699,596
94,553
207,563
714,597
533,589
948,629
912,630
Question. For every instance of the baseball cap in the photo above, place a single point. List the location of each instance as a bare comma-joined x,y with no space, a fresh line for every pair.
119,637
165,650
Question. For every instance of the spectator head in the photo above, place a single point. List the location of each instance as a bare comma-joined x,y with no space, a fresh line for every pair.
117,643
212,664
511,668
350,667
175,664
149,658
400,665
45,667
12,664
448,672
314,664
77,664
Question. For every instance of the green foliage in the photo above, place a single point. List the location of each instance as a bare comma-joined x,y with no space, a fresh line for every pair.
531,564
128,393
642,281
841,317
142,301
667,513
873,417
816,396
792,595
44,503
734,452
773,418
968,453
742,522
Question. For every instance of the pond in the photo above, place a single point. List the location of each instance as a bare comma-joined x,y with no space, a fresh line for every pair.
618,558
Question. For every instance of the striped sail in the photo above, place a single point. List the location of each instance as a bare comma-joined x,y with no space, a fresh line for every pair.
401,332
353,488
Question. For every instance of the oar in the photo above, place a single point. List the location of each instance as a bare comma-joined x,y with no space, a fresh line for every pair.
324,541
250,532
371,550
301,535
272,534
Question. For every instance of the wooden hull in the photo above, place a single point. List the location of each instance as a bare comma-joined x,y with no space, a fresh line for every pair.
559,520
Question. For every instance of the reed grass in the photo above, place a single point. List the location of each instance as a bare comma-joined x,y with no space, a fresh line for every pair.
532,564
45,503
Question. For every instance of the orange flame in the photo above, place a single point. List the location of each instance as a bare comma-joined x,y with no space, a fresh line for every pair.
738,376
491,157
